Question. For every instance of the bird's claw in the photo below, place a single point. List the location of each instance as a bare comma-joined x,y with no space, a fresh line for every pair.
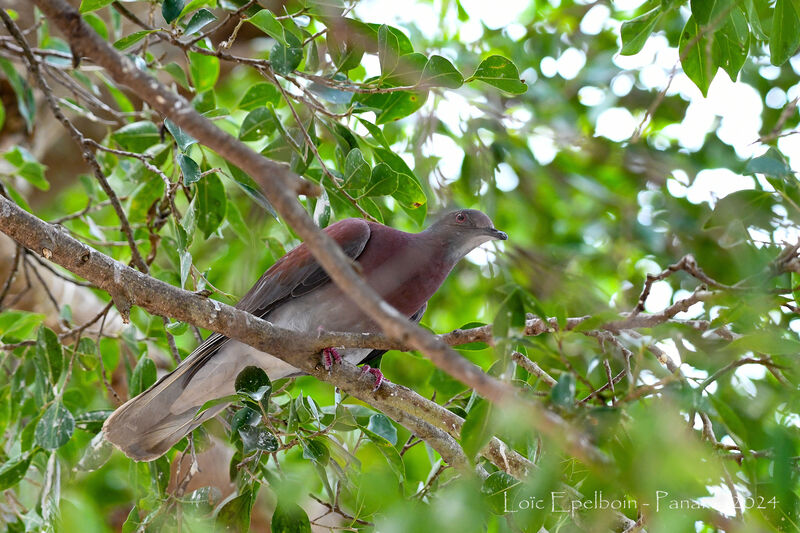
330,356
375,372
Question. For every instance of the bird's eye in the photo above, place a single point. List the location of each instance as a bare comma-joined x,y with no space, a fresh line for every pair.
461,217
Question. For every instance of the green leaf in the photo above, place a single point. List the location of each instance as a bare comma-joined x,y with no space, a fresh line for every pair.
253,383
211,204
785,36
381,425
389,452
203,69
250,188
92,421
500,72
356,170
143,375
771,163
18,324
409,192
27,167
346,53
697,65
143,197
635,32
563,393
257,124
13,471
284,58
395,105
97,25
260,95
440,72
768,342
198,21
701,10
133,523
137,137
171,9
55,427
289,518
235,515
129,40
189,169
388,50
409,70
92,5
237,223
742,207
49,353
316,450
183,139
257,438
266,22
25,102
383,181
498,488
185,265
478,428
404,45
732,43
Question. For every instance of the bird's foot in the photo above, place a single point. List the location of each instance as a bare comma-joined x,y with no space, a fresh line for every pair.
375,372
330,356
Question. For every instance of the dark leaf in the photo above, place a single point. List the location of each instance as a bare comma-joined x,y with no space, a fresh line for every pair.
189,169
198,21
171,9
284,58
257,438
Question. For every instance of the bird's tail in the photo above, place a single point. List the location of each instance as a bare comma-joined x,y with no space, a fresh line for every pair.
146,426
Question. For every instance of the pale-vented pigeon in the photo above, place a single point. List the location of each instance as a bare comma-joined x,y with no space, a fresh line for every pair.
296,293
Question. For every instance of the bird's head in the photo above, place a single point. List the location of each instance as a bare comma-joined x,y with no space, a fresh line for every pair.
463,230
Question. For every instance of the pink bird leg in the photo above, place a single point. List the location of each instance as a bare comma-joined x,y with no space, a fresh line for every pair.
375,372
330,356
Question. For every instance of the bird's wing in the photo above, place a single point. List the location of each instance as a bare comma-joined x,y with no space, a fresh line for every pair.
374,356
295,274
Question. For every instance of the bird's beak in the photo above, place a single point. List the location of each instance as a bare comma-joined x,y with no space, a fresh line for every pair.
496,234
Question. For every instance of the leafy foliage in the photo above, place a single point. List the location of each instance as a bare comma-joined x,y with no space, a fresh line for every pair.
395,122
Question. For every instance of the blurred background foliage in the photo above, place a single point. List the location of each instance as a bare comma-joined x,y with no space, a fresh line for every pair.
641,132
